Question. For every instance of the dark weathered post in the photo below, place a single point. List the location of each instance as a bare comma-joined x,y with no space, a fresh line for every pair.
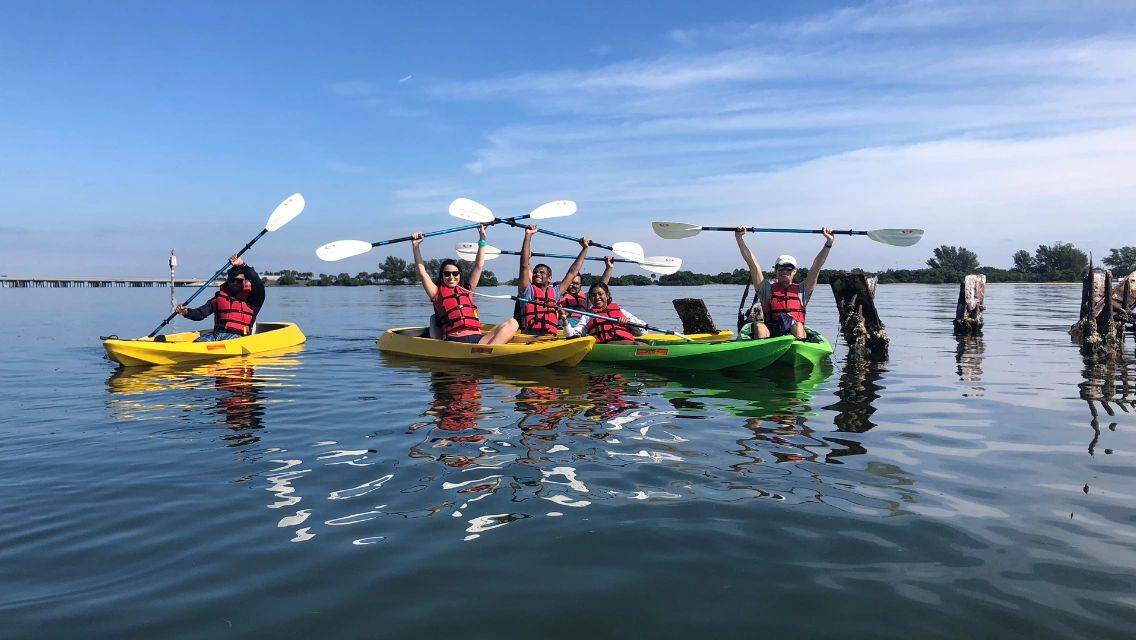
694,315
1097,331
859,322
971,304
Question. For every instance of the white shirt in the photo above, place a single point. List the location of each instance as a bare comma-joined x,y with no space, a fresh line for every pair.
581,328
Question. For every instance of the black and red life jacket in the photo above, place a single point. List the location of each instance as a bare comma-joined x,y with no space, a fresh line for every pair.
575,301
539,315
455,310
784,300
605,330
232,312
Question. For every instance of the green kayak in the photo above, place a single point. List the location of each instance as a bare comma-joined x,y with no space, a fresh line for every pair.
696,356
806,353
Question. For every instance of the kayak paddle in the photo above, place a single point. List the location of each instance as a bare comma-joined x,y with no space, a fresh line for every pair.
282,215
462,208
632,251
893,237
581,313
664,265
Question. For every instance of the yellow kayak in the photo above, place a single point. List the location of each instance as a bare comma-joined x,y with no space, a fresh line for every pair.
409,341
177,348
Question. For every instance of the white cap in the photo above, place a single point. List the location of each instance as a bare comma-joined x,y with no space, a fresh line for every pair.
785,259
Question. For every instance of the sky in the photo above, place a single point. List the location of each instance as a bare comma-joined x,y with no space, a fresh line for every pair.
133,128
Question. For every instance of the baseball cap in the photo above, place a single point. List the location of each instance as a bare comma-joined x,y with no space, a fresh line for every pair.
785,259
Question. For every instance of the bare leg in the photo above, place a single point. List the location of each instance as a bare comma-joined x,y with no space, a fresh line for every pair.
760,331
798,330
500,334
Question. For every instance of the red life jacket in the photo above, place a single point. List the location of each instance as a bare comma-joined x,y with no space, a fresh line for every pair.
455,310
232,312
540,318
605,330
574,301
784,300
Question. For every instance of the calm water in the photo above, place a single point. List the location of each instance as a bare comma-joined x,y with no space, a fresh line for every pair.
964,488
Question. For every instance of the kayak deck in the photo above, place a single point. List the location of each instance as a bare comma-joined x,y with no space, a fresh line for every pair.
526,351
176,348
698,356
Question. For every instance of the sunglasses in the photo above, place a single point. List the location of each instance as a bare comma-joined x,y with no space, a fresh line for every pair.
785,267
451,273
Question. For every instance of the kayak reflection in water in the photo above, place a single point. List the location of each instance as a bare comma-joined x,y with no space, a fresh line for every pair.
235,305
239,404
453,299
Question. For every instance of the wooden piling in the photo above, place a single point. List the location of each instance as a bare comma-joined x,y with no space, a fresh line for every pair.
1097,331
971,304
694,315
859,322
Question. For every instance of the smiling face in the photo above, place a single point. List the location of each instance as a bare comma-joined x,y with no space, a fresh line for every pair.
598,297
785,273
542,275
574,286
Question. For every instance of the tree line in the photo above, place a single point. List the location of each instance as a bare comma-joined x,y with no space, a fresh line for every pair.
1060,262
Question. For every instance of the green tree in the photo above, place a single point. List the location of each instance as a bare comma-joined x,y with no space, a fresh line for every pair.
1024,262
1122,261
1062,261
954,258
393,270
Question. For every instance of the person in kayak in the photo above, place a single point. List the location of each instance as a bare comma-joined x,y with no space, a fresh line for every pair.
782,300
453,300
624,331
233,307
575,300
539,316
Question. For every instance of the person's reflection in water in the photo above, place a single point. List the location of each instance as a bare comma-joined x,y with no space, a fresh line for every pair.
858,389
456,407
968,355
239,404
1107,384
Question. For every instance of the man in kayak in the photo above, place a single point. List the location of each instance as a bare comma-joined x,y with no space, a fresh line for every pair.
539,316
574,299
233,307
782,300
623,331
453,299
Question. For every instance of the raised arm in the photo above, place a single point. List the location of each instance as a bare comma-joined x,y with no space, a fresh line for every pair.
479,261
577,265
755,274
524,275
423,277
818,262
609,267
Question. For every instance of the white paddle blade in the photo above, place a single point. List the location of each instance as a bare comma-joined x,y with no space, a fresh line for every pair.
468,251
467,209
675,230
284,212
665,265
897,237
555,209
628,250
341,249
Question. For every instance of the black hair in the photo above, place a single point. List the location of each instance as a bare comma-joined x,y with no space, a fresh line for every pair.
447,263
600,285
541,264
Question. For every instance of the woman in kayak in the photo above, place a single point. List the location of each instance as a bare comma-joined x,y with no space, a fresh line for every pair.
574,299
453,300
235,305
782,301
623,331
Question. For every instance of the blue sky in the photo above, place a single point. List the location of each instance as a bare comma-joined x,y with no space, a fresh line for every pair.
134,128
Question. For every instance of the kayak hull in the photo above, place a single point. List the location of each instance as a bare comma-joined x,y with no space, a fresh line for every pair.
808,354
408,341
693,356
178,348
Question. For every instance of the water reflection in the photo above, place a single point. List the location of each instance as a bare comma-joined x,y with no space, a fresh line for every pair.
969,352
858,390
1107,387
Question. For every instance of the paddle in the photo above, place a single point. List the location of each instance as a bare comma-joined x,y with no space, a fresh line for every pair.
893,237
462,208
664,265
632,251
282,215
581,313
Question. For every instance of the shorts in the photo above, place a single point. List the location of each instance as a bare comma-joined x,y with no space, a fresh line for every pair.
472,338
